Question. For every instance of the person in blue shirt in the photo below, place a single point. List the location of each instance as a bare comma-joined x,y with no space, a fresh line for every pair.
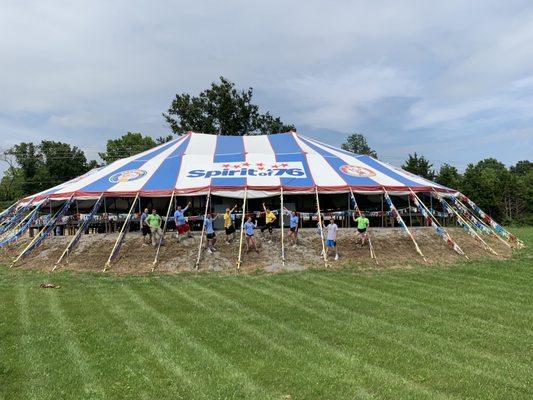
145,229
182,226
294,219
249,227
210,232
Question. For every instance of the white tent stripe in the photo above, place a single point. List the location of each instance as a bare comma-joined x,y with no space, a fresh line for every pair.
259,151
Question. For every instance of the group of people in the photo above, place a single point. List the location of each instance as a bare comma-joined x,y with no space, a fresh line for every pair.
151,228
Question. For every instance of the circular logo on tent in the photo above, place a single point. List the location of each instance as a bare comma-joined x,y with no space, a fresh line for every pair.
356,170
126,176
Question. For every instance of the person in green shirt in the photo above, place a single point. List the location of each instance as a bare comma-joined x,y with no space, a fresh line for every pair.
362,223
154,222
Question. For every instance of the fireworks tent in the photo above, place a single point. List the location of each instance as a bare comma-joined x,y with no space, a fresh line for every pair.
282,169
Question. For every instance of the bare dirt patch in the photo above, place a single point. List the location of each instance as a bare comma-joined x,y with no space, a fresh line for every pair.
394,249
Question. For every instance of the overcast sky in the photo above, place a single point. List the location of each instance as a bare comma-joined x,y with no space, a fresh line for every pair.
452,80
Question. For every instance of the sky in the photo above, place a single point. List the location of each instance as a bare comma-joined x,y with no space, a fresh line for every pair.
450,80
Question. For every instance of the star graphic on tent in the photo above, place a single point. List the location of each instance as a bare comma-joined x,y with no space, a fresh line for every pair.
284,165
236,165
259,164
275,166
260,168
245,164
225,165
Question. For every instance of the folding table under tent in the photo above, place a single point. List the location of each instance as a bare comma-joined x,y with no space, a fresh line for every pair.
252,167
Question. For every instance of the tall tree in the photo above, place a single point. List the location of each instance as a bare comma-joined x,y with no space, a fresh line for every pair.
420,166
221,109
127,145
357,143
449,176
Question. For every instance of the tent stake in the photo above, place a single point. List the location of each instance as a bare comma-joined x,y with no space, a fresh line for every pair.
239,260
400,221
121,235
208,199
282,230
164,230
464,223
371,248
80,231
426,213
321,229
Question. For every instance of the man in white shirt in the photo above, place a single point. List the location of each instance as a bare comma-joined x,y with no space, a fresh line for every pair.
331,238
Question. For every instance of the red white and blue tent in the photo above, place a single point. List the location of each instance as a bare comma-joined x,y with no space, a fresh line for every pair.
197,163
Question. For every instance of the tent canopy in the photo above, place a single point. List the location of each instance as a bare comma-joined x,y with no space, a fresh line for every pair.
195,163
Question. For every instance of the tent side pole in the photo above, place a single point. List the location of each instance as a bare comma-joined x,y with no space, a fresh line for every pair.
121,235
464,223
423,209
402,223
358,210
207,201
78,234
282,229
239,259
164,230
324,254
44,231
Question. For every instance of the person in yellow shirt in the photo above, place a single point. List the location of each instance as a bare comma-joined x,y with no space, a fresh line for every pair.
270,218
229,226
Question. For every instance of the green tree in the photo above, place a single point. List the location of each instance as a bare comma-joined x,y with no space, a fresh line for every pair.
221,109
420,166
356,143
449,176
127,145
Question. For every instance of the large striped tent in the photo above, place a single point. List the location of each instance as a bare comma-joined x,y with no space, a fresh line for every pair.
264,165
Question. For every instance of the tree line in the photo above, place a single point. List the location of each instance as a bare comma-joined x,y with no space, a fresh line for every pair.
505,193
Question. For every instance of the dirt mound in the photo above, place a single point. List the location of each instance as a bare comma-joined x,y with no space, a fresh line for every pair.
394,249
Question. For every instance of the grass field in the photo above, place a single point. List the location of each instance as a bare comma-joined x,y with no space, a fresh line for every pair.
424,333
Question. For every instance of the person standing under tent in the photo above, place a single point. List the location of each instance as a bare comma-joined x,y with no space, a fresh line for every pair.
270,217
154,222
293,227
331,238
210,233
182,226
145,229
249,227
229,226
362,225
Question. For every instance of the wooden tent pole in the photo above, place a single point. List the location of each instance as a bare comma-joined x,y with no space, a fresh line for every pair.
81,229
437,224
207,201
164,230
464,223
371,248
121,234
52,221
401,222
324,254
282,229
239,260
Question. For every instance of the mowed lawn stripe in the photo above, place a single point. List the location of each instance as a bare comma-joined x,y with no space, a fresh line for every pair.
460,351
391,344
352,359
235,331
168,320
465,329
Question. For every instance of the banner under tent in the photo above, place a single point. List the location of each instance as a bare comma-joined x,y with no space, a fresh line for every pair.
296,169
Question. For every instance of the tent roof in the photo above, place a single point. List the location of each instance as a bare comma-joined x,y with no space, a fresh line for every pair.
195,163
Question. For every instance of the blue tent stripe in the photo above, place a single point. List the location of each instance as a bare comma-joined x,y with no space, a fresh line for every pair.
167,174
104,184
387,171
336,163
229,149
286,149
